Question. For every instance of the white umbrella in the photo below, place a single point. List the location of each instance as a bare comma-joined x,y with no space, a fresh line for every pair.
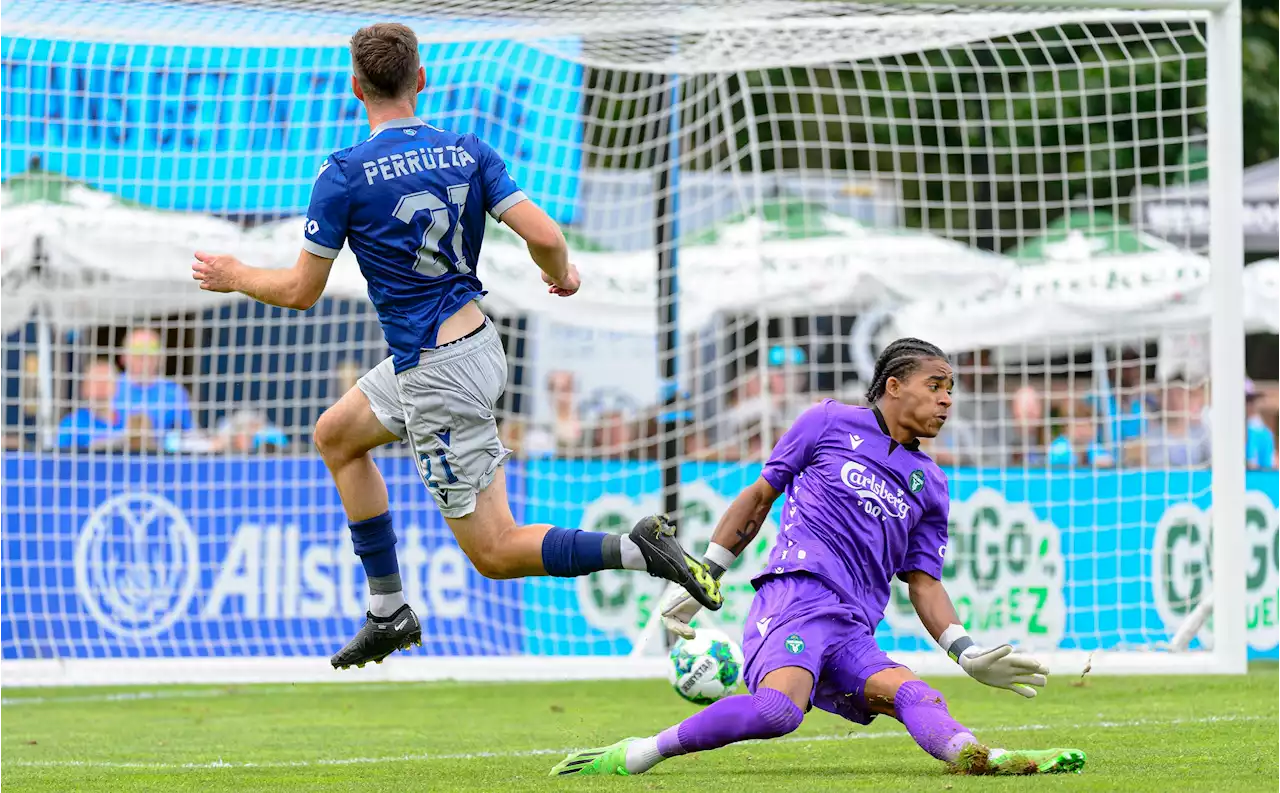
89,257
1088,277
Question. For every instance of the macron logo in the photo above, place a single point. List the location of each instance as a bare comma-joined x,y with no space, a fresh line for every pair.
854,441
763,625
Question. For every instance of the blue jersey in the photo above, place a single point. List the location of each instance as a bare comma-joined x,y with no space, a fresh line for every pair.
410,201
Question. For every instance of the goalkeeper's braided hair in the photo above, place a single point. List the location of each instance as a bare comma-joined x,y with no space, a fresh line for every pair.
900,359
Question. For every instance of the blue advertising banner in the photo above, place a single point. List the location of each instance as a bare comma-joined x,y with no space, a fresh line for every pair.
113,557
1071,560
242,130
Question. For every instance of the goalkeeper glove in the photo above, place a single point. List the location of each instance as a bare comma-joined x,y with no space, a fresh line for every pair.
678,608
998,667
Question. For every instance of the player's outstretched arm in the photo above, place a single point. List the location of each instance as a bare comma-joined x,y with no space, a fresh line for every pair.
547,246
999,667
737,528
297,287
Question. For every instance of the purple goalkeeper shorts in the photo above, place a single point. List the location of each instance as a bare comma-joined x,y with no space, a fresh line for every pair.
796,620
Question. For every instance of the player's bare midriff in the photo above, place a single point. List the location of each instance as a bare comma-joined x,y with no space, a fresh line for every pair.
462,322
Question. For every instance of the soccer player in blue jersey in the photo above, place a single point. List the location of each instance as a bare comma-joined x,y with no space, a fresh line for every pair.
863,504
411,201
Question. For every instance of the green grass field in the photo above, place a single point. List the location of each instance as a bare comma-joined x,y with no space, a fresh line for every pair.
1154,733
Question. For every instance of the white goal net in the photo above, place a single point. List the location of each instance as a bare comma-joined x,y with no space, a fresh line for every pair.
759,195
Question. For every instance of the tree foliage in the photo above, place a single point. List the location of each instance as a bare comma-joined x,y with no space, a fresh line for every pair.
988,143
1261,85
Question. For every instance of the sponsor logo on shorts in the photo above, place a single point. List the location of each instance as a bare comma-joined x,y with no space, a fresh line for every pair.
794,644
916,482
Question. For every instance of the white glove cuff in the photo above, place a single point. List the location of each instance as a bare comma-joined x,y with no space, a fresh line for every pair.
718,556
955,640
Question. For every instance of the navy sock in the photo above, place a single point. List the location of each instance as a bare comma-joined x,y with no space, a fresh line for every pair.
572,552
375,543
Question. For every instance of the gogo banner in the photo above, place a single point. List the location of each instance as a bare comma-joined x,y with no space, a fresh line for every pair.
1039,558
242,130
183,557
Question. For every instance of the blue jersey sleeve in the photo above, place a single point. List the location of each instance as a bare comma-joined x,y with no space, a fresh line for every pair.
500,191
327,215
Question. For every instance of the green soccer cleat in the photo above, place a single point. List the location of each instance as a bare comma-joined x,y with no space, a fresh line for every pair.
606,761
979,760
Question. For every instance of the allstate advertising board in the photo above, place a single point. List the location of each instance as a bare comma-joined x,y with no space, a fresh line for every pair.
200,557
187,557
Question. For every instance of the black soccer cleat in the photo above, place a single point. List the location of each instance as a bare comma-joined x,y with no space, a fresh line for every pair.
665,558
380,637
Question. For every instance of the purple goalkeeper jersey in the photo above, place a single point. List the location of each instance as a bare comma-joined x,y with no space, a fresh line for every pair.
860,507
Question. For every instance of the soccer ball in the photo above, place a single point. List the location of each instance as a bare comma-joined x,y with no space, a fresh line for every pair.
705,668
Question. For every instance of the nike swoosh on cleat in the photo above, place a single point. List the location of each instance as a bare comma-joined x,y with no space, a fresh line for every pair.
402,623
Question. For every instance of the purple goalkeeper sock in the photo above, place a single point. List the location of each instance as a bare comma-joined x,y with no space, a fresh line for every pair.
765,714
924,713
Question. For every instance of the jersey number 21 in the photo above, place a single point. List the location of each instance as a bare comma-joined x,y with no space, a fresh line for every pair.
431,260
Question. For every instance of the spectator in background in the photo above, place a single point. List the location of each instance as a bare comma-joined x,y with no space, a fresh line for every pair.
1076,442
1028,444
562,432
21,433
978,431
749,404
98,423
614,435
248,431
345,375
1125,406
566,423
144,391
1260,444
788,384
1180,439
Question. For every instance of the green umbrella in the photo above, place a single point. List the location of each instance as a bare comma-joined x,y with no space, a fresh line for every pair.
1086,235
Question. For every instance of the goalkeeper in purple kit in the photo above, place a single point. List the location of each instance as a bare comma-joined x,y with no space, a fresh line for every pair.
863,504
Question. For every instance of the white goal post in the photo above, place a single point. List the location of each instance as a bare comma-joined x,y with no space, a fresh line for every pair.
759,194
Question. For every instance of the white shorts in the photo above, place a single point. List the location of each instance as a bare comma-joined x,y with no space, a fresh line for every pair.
444,407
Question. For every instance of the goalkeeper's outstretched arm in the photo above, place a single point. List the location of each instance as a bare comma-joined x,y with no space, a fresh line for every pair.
740,524
999,667
736,530
297,287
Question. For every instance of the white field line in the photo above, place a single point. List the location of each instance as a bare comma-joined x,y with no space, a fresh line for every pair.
202,693
419,758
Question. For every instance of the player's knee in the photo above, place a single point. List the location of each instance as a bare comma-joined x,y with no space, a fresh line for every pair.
332,442
327,436
778,714
493,559
496,566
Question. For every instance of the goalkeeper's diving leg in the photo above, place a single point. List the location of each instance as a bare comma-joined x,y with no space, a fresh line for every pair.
777,708
444,409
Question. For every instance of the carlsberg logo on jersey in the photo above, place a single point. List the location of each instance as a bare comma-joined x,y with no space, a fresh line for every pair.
1005,572
621,601
1181,569
868,486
